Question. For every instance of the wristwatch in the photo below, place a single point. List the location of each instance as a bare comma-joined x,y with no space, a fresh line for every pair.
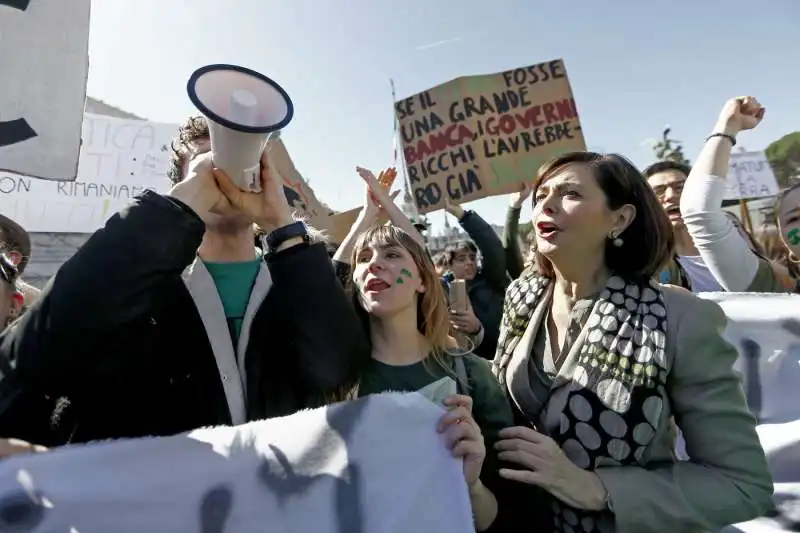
273,240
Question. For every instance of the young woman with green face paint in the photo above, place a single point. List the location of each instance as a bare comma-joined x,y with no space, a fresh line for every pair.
788,214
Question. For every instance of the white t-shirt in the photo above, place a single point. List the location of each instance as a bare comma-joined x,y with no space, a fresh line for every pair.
699,275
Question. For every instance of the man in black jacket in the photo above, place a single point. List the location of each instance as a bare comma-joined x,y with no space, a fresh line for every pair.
143,331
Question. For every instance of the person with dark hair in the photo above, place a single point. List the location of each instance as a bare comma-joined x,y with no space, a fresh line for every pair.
11,300
169,319
485,285
599,361
685,267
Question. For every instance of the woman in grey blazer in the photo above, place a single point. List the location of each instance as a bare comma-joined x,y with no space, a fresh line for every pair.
600,361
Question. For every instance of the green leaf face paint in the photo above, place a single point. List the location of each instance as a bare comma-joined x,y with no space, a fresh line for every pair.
793,237
399,280
406,273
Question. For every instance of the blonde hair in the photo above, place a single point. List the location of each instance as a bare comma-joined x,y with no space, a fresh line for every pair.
433,319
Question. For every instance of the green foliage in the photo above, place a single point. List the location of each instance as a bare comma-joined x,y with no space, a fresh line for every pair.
784,157
669,149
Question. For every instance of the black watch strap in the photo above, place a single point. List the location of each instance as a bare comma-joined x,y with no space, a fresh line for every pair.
274,239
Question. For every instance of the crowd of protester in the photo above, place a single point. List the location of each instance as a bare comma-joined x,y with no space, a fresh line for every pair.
581,355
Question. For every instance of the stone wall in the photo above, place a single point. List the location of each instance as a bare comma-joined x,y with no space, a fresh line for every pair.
49,251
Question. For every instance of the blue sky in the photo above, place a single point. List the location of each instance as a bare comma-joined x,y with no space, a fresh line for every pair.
634,66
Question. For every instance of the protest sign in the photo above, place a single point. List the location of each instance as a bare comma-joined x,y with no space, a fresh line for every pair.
480,136
375,464
750,176
766,330
119,159
44,64
298,193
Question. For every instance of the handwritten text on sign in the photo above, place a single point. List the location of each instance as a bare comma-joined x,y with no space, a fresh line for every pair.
119,159
480,136
750,176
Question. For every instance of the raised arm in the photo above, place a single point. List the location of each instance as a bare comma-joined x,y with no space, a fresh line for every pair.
515,263
328,340
487,241
367,217
394,213
107,283
723,249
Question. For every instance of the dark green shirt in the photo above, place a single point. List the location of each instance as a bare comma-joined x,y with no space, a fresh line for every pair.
234,283
490,407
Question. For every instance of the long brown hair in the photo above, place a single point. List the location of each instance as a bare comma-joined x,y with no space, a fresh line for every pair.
433,320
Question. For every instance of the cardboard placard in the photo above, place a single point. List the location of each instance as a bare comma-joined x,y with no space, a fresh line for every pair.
44,62
479,136
300,196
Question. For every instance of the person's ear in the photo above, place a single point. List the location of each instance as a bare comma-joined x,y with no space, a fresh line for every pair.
622,218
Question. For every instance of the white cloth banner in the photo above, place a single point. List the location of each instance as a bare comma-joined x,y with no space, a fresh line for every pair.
750,176
44,47
119,159
765,328
375,465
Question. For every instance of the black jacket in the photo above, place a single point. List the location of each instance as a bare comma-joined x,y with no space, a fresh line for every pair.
487,290
115,346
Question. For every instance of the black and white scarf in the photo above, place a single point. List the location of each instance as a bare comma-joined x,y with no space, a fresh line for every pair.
616,396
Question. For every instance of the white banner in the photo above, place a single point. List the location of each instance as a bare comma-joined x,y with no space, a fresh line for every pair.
43,64
373,465
750,176
765,328
118,160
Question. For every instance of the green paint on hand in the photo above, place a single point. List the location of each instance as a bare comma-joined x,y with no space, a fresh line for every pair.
793,237
399,280
406,273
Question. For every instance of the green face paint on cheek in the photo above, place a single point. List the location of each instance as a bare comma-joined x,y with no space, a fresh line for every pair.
793,237
406,273
399,280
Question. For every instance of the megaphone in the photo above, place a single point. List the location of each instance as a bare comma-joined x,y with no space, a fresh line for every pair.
243,108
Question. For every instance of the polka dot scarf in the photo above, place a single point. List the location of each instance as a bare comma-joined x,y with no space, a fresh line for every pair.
615,400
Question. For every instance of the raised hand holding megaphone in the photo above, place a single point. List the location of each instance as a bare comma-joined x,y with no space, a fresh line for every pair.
242,108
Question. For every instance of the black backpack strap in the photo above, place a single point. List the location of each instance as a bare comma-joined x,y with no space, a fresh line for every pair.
462,384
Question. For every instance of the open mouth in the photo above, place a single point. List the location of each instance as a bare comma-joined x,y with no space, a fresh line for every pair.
376,285
547,229
673,211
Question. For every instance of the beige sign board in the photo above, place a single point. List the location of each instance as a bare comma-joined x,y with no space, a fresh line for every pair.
479,136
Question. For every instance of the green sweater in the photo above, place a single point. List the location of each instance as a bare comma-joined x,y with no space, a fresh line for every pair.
490,407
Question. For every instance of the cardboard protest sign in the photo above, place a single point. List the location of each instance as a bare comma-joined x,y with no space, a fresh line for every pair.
750,176
480,136
766,330
44,64
300,196
376,464
119,159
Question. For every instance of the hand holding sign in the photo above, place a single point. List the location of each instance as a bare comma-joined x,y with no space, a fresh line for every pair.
454,209
739,114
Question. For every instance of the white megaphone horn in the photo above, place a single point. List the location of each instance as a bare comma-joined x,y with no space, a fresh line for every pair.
243,108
